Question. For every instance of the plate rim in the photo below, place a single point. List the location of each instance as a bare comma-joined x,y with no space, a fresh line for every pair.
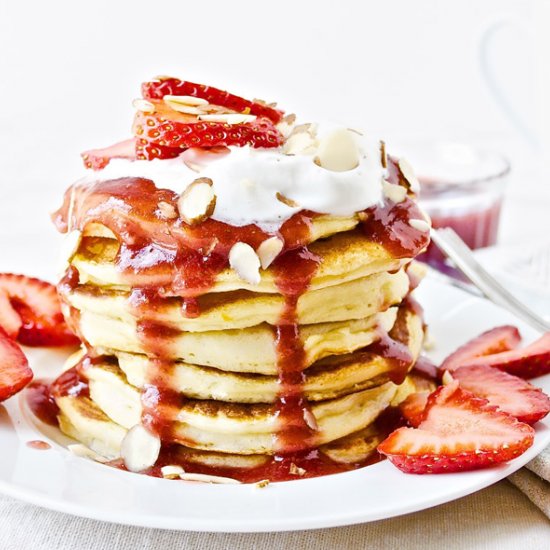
333,517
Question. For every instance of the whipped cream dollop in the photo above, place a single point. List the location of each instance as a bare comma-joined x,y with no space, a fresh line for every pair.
266,186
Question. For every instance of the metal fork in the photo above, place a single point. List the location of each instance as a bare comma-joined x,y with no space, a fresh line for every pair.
456,249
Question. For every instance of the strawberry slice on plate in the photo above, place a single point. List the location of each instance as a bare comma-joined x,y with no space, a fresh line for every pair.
496,340
15,372
97,159
37,304
170,128
459,432
10,320
163,86
505,391
528,362
413,407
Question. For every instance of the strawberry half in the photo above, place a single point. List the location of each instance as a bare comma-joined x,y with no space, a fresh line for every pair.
498,339
97,159
459,432
528,362
170,128
505,391
15,372
158,88
37,304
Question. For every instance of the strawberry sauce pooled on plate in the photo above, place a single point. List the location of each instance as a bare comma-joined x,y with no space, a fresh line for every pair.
241,286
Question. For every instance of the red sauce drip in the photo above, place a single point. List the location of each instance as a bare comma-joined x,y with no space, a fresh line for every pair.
39,445
71,383
160,404
388,225
41,402
293,273
396,352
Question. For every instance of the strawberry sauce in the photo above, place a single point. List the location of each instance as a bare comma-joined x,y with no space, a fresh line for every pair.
159,257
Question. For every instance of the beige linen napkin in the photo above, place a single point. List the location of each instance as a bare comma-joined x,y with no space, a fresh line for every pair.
534,481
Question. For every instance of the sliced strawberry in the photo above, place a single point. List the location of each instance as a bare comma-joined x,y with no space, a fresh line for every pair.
498,339
145,150
413,407
505,391
10,320
15,372
528,362
38,306
158,88
170,128
459,432
97,159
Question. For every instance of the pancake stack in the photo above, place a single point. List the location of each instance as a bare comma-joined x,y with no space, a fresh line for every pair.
246,353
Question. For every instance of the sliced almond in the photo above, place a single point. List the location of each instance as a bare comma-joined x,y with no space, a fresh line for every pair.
262,483
205,478
143,105
182,108
172,471
229,118
82,451
162,77
285,200
245,262
286,125
409,175
311,421
420,225
383,155
167,210
338,151
185,100
395,193
302,140
447,378
269,250
140,449
197,202
296,470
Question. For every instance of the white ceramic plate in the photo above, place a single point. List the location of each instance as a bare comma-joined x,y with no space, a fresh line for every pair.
58,480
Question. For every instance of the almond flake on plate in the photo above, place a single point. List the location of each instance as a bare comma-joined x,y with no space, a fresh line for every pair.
205,478
82,451
171,471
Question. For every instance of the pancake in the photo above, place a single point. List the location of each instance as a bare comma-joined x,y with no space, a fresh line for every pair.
236,429
242,309
321,226
344,257
332,377
251,350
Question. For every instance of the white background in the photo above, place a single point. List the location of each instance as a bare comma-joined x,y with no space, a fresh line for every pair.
398,68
